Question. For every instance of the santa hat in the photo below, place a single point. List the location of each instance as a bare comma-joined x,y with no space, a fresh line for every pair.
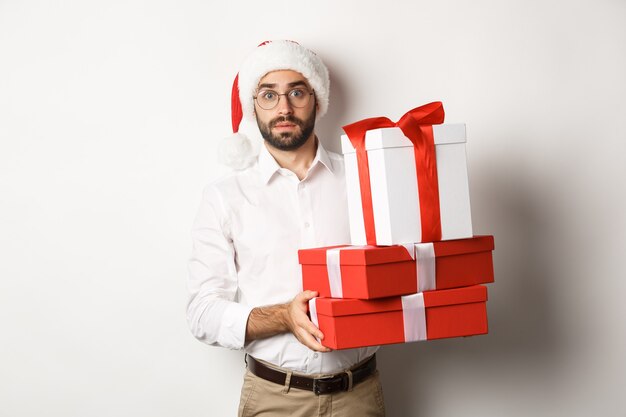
238,151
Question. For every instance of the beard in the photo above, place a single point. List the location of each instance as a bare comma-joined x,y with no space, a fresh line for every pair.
288,141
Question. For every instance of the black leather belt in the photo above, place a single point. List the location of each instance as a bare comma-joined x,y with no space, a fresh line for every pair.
328,385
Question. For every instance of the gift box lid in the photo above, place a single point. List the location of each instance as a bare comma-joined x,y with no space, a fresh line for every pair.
346,307
392,137
478,243
374,255
357,255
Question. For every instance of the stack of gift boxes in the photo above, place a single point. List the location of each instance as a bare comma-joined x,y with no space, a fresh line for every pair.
414,268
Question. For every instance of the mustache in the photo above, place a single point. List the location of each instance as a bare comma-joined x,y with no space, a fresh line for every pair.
289,119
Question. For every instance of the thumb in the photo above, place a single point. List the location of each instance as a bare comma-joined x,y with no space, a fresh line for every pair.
308,294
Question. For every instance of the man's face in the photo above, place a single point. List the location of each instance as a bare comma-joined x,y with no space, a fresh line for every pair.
285,127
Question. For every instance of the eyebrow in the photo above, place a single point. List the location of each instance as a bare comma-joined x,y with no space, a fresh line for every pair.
290,85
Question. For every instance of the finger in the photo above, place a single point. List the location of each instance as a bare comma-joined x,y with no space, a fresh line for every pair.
307,295
303,321
309,341
310,327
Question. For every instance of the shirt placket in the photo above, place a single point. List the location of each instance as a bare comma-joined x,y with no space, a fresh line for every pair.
314,360
307,226
307,240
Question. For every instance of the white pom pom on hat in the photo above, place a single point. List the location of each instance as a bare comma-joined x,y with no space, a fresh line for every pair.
238,151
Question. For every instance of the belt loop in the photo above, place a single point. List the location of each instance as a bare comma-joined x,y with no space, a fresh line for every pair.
287,382
349,372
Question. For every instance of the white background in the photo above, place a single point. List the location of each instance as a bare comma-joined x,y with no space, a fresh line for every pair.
110,117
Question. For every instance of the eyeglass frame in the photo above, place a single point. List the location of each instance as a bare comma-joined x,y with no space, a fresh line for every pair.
311,93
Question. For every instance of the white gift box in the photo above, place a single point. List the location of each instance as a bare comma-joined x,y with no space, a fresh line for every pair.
395,194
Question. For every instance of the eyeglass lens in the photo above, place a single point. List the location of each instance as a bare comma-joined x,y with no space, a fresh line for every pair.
297,97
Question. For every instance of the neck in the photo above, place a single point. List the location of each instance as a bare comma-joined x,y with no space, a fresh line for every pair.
297,161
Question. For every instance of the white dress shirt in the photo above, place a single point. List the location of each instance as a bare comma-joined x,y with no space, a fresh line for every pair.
246,237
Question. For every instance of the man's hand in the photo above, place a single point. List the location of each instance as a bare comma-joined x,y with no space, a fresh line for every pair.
299,324
291,317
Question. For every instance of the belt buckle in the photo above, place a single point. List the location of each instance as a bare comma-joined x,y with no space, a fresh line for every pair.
343,377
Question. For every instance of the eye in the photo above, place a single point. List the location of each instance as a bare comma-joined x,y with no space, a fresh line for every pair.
296,93
268,95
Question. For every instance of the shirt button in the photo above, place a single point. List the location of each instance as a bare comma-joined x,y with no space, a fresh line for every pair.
315,355
306,224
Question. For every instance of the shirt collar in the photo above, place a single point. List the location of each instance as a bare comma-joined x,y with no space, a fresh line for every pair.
268,165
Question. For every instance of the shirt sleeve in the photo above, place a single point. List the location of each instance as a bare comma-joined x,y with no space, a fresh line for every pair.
213,314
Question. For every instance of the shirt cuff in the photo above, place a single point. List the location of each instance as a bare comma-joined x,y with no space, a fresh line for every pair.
234,323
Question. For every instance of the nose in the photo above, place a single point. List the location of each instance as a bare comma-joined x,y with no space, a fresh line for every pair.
283,106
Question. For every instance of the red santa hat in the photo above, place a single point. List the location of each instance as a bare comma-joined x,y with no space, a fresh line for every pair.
238,151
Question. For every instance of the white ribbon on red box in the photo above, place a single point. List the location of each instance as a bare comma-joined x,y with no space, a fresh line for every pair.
413,309
313,314
425,263
422,253
414,316
333,266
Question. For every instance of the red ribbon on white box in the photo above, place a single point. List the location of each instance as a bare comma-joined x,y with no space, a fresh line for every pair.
416,125
414,316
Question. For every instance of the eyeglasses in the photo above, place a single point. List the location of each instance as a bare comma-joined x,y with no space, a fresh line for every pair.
297,97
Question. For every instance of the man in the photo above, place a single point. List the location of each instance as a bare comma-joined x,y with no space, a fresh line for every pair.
245,281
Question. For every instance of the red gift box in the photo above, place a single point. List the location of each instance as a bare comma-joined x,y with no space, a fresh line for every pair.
350,323
368,272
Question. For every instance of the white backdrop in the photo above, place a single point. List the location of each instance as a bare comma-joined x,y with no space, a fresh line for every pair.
110,117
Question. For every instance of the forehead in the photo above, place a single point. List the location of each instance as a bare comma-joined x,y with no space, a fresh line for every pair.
282,78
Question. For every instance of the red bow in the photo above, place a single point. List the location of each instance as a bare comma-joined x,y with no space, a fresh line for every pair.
416,125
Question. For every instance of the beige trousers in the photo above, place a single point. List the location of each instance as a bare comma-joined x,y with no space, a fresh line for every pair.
268,399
